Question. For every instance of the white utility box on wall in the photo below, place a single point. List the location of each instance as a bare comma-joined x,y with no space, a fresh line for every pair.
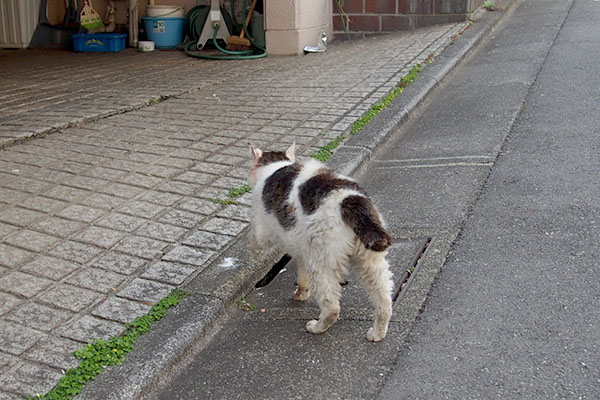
18,20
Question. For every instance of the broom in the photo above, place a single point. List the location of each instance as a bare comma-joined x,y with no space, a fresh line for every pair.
240,43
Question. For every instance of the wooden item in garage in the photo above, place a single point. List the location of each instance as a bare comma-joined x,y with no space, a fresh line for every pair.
240,43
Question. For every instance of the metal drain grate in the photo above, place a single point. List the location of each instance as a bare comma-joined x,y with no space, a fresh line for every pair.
408,276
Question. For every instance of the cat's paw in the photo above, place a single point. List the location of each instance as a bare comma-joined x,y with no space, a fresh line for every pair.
372,337
314,327
301,294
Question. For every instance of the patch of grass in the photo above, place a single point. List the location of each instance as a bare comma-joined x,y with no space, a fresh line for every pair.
245,306
233,193
489,5
411,76
225,202
237,192
326,151
375,109
99,354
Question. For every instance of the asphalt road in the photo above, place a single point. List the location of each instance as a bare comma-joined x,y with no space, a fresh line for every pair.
504,154
515,314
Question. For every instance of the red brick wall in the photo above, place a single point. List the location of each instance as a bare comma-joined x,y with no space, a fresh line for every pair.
374,16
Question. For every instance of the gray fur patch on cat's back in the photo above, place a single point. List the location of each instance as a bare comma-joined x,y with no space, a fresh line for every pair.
316,189
276,193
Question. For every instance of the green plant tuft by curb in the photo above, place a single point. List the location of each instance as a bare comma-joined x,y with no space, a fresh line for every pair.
326,151
99,354
245,306
387,99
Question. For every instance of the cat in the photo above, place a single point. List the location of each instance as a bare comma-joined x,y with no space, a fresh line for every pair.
324,221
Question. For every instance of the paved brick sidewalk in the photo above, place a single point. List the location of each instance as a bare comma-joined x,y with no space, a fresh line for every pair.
100,219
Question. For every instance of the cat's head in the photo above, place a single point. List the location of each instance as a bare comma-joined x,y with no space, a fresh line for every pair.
262,158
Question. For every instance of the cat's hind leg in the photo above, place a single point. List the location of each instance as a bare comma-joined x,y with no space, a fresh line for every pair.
327,291
302,292
377,279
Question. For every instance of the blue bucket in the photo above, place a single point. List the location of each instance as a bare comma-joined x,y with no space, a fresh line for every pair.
165,32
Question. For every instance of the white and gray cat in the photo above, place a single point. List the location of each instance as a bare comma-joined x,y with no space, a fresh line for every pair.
324,221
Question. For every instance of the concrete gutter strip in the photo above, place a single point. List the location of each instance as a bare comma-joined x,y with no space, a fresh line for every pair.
189,327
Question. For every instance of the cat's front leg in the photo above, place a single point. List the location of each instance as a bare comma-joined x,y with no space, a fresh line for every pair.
257,239
253,245
302,292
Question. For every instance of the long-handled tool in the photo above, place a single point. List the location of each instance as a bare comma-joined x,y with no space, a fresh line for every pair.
197,20
240,43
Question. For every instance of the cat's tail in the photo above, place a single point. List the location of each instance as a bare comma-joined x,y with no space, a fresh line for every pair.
358,212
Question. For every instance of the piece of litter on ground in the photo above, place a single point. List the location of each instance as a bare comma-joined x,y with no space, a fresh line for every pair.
228,262
283,270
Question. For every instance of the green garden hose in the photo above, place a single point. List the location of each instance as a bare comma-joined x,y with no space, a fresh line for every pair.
194,23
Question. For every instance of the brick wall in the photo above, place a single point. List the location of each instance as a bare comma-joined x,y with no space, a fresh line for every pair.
375,16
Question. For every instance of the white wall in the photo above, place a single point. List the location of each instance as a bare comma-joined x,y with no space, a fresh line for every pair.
292,24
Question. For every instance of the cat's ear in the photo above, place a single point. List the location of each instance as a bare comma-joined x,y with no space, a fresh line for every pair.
256,153
290,153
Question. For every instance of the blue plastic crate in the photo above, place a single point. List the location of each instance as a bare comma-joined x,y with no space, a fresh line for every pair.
99,42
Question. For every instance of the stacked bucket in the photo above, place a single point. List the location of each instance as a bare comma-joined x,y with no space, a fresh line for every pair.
164,25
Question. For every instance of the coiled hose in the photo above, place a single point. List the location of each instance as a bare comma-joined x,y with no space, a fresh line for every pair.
194,23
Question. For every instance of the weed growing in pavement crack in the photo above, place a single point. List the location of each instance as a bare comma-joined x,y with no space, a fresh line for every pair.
237,192
245,306
326,151
225,202
99,354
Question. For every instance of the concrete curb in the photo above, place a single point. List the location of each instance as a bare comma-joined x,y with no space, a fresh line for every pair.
190,325
187,327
